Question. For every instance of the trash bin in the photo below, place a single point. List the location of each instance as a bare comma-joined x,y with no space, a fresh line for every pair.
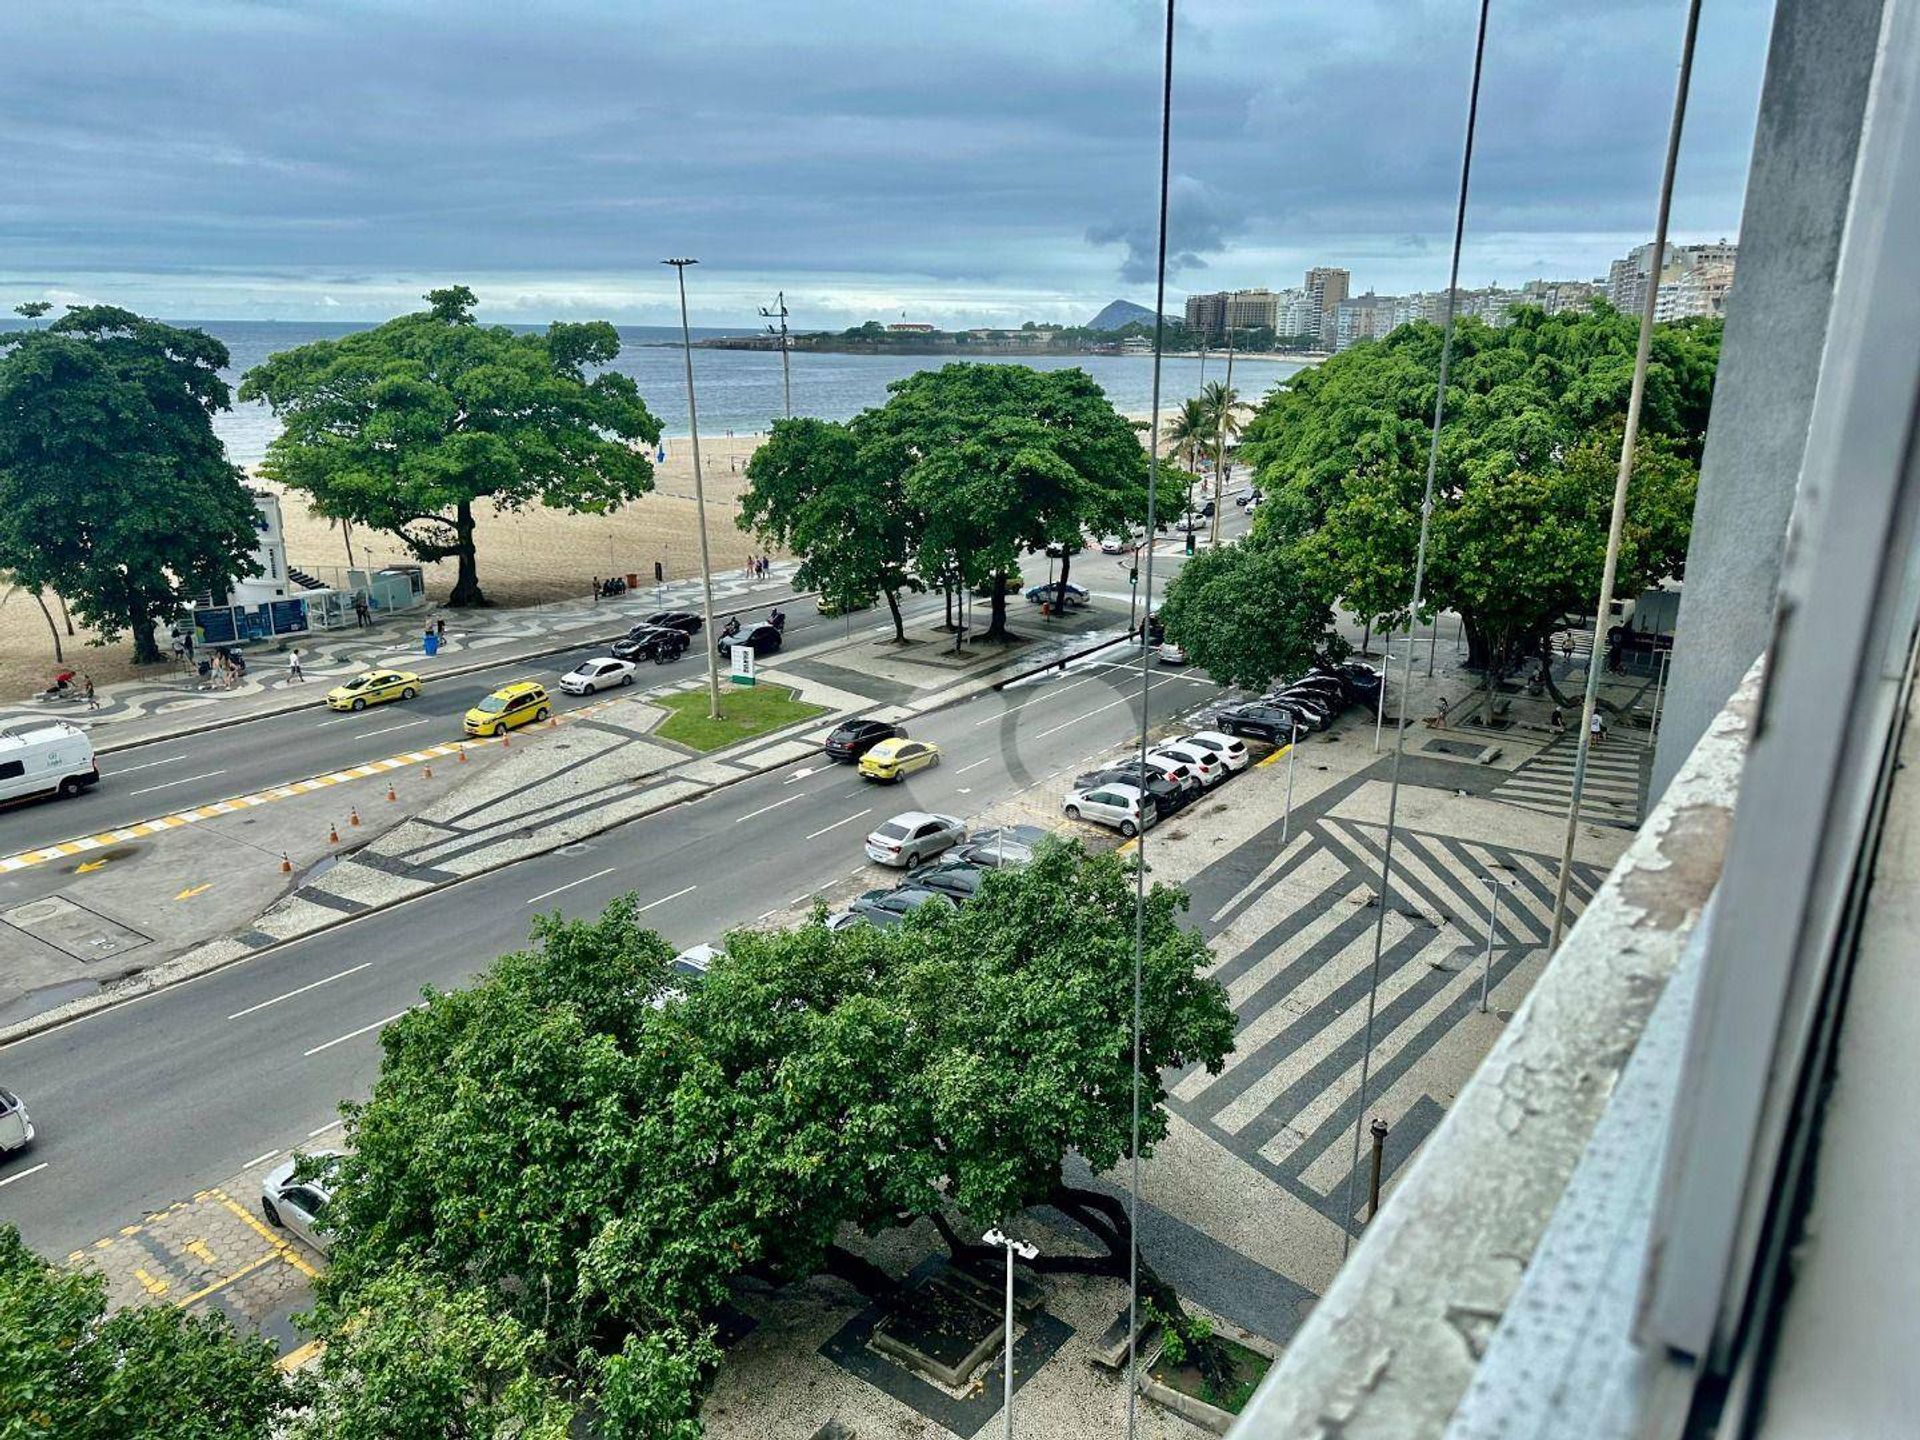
432,644
633,581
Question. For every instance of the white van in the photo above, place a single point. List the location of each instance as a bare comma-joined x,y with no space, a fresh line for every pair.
49,759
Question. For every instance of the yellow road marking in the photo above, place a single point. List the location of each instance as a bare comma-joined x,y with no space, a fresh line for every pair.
153,1287
88,867
1262,764
196,890
294,1359
283,1246
245,1270
199,1250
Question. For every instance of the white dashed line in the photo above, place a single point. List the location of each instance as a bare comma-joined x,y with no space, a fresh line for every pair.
570,884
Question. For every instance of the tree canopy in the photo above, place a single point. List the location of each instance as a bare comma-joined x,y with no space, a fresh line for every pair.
1523,486
114,491
603,1157
405,427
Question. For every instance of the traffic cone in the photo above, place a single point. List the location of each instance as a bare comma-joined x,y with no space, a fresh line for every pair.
462,753
427,774
390,794
506,739
286,865
353,815
333,833
553,722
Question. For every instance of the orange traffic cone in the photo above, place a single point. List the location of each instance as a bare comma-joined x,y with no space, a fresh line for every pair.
286,865
353,816
333,833
506,739
462,752
390,794
553,722
427,774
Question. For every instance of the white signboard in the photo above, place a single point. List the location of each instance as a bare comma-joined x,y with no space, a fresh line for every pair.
743,658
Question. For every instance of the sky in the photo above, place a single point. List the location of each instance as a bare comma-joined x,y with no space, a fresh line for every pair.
984,162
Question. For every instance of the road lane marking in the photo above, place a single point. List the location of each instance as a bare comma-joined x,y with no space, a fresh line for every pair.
318,1131
765,808
154,1287
1089,714
570,884
975,765
194,890
664,898
198,1249
147,765
264,1004
298,1356
389,729
259,1159
838,823
25,1173
354,1034
282,1247
131,794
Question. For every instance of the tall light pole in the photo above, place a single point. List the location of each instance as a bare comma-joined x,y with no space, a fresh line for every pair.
779,311
1025,1252
1293,745
699,498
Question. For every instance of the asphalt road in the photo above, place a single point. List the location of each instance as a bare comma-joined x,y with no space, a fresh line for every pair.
140,1105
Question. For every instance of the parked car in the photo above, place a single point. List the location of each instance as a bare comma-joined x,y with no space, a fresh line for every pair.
592,676
1114,545
683,620
53,759
1009,585
1168,794
1170,653
762,639
896,759
914,837
1203,762
1261,720
1125,808
1333,687
1001,846
1361,681
955,878
1315,709
373,687
1050,594
851,739
1192,525
1228,751
886,908
845,920
16,1130
300,1206
522,703
661,644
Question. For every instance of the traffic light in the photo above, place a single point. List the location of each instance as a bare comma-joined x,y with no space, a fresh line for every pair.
659,572
1133,576
1189,542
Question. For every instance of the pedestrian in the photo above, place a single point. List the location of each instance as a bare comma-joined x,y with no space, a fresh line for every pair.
294,677
179,650
92,704
187,640
1566,649
440,629
362,612
596,590
1558,721
1597,728
1441,714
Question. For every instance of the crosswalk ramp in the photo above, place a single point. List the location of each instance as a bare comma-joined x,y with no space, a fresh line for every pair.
1614,791
1298,975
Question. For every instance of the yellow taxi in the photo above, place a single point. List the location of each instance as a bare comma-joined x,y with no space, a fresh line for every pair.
893,759
373,688
508,708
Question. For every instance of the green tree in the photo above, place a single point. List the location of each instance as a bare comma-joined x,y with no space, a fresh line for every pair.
1246,613
70,1371
410,1357
1001,459
851,525
114,491
1188,432
32,309
406,427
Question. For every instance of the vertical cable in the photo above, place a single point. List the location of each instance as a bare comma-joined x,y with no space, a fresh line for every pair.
1140,843
1627,441
1413,611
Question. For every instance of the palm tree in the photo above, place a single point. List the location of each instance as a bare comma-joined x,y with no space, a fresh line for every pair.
1188,430
1222,405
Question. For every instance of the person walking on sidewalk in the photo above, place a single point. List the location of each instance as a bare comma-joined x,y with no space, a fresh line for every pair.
360,613
1597,728
92,703
1441,713
294,675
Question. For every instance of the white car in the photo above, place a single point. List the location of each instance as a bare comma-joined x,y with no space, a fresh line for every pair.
913,838
16,1130
1204,763
1125,808
1113,545
1229,751
601,674
299,1206
1171,653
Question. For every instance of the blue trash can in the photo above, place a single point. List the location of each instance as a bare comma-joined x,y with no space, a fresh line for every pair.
432,642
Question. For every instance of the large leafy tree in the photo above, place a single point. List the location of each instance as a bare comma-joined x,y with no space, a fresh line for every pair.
406,427
114,491
850,523
1522,486
70,1370
1248,612
1000,459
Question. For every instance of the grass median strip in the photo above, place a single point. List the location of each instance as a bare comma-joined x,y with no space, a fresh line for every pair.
744,713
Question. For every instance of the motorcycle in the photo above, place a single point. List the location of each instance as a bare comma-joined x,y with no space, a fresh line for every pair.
731,628
778,619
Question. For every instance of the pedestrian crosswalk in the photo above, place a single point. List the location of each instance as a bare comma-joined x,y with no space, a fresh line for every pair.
1611,795
1298,971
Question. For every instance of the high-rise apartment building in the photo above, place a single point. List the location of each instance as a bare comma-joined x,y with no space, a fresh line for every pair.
1705,294
1326,287
1252,309
1207,316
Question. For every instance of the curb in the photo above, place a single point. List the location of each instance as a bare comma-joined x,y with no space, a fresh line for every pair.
109,747
90,1006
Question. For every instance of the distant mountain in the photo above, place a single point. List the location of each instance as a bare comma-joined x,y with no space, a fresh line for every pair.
1120,312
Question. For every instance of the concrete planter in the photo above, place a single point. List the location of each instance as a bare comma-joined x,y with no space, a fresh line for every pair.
1204,1413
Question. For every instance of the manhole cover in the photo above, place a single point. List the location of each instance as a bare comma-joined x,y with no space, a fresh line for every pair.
73,929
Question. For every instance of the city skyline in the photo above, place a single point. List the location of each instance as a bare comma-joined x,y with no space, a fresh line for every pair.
986,167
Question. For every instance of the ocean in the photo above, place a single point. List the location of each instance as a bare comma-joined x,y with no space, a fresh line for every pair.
739,390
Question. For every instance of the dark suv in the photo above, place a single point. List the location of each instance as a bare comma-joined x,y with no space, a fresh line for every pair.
651,642
762,639
853,738
1266,720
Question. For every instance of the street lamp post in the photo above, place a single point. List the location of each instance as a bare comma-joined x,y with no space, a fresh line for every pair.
1286,820
779,311
1025,1252
1493,921
699,498
1380,711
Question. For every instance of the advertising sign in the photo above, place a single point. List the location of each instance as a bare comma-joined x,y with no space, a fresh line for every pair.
743,658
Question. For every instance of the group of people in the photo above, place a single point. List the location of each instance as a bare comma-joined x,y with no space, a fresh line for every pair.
758,567
71,685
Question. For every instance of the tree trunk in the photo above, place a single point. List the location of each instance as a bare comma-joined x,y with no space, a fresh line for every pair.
899,625
1478,656
59,655
65,618
466,589
997,624
1060,586
863,1275
145,651
946,594
1366,639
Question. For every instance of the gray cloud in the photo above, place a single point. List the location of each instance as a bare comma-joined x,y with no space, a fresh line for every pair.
1199,223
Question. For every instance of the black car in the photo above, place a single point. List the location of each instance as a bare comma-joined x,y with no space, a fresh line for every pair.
651,642
853,738
1000,845
886,908
1361,681
1261,720
684,621
762,639
953,878
1167,795
1316,712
